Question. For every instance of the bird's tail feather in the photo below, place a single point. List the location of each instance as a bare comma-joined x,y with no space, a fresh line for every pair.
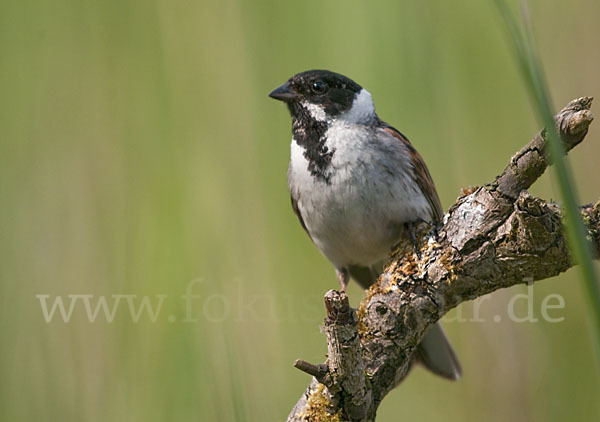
437,355
434,351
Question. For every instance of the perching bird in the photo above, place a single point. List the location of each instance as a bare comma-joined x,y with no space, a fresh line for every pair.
357,185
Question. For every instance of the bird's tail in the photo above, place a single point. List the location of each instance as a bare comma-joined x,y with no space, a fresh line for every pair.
437,355
434,352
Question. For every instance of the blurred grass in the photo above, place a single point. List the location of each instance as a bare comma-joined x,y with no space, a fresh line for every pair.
138,152
525,50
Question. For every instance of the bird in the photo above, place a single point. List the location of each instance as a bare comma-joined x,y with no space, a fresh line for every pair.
357,186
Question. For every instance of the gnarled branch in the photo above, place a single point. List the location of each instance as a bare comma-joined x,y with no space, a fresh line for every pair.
496,236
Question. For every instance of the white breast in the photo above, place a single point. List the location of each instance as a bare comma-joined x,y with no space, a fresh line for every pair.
358,216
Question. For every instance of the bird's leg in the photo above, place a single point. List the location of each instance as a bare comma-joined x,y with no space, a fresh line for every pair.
411,232
343,277
434,231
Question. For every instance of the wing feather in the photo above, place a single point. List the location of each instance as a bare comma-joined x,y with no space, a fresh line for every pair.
422,175
298,213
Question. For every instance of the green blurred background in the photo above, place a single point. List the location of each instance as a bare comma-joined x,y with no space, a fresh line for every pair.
139,152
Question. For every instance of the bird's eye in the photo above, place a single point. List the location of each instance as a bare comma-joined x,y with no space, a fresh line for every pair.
319,87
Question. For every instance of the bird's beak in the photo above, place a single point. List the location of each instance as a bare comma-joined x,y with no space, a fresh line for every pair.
284,93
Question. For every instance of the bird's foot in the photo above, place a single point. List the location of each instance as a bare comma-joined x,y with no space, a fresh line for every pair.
343,277
411,232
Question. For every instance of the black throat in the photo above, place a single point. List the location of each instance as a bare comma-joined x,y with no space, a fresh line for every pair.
309,133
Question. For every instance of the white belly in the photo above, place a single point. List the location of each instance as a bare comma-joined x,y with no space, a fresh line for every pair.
358,216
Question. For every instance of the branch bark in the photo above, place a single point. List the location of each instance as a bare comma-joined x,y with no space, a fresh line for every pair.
494,236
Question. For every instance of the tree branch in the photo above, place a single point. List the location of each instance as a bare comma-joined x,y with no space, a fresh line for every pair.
527,165
493,237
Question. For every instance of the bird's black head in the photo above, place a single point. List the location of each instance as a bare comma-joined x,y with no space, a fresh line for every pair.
317,99
331,92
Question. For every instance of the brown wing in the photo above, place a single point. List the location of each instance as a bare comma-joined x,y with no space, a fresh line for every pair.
422,175
297,212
